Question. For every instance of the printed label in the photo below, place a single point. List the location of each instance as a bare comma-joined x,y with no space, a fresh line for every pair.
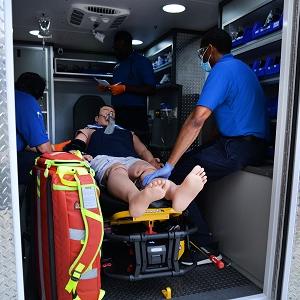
89,197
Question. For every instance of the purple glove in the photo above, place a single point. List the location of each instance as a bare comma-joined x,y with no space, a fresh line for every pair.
164,172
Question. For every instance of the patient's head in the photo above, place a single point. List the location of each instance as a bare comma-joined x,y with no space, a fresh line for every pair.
104,112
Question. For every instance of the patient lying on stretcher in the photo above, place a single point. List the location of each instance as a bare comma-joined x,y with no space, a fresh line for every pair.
121,161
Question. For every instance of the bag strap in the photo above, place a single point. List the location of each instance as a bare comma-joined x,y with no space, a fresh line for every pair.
93,222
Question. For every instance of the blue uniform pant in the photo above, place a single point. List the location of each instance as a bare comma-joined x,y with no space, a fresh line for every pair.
220,158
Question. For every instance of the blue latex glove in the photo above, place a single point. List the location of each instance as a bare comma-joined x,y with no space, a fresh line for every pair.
164,172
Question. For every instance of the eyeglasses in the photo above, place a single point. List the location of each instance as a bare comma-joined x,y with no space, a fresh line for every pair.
201,51
111,114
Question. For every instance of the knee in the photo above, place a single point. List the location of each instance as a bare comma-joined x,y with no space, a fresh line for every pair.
138,170
116,168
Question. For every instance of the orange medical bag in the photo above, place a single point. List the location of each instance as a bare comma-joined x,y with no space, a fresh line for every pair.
68,229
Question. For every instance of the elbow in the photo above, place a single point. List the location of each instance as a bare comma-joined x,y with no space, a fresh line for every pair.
46,147
197,122
199,116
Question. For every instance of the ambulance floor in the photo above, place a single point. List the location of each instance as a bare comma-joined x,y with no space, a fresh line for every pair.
204,282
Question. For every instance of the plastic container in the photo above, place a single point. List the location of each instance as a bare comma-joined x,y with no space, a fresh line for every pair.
260,30
274,67
165,111
258,67
245,38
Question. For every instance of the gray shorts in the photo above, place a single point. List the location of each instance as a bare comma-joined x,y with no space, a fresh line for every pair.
101,163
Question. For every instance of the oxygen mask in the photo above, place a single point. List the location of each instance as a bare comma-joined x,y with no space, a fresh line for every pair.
111,124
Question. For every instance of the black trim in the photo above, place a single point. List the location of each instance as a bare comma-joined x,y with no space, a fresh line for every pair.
51,239
295,119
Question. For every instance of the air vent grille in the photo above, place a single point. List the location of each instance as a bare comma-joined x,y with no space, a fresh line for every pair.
76,17
117,22
102,10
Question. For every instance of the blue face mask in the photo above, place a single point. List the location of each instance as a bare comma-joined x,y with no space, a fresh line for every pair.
205,65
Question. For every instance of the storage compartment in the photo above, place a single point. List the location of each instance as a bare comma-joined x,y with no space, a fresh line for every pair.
256,24
80,67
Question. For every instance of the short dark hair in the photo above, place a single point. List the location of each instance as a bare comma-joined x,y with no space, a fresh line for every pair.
218,38
123,36
104,104
32,84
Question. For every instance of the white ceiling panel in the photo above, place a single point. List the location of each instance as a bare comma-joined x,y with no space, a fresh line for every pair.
146,21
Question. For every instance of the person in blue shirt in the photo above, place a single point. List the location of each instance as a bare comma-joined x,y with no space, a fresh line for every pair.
233,94
133,80
32,138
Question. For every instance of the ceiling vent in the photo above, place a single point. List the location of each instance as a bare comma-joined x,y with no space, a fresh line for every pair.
87,16
117,22
102,10
76,17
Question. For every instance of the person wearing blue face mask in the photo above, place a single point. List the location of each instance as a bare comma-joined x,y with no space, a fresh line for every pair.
233,94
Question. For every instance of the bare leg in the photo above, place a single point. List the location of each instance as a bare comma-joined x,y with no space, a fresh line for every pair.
182,195
119,185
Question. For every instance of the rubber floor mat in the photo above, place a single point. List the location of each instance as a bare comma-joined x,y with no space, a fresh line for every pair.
203,282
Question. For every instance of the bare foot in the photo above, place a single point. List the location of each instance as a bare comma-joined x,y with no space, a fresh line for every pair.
189,189
140,201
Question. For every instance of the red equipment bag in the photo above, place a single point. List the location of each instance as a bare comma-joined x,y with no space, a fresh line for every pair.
69,228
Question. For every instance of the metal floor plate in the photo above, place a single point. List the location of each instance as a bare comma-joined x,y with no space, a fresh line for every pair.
205,281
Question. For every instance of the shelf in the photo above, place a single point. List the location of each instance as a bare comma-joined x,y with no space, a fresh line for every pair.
270,80
163,67
265,40
83,74
265,170
74,80
160,47
82,67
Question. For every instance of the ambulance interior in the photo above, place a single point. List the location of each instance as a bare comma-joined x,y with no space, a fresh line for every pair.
78,47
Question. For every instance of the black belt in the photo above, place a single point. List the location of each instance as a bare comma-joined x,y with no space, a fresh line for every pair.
248,138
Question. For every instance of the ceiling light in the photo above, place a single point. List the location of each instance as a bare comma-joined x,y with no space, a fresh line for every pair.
174,8
137,42
105,20
34,32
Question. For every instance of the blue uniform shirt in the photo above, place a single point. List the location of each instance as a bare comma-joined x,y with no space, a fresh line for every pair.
29,122
134,70
233,92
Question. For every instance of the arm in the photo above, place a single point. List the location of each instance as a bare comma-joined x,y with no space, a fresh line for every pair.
45,147
189,132
146,75
84,135
81,140
143,152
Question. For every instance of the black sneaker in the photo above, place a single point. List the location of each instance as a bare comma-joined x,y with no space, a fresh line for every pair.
196,256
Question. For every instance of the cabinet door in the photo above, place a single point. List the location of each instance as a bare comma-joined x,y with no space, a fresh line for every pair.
30,59
37,60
